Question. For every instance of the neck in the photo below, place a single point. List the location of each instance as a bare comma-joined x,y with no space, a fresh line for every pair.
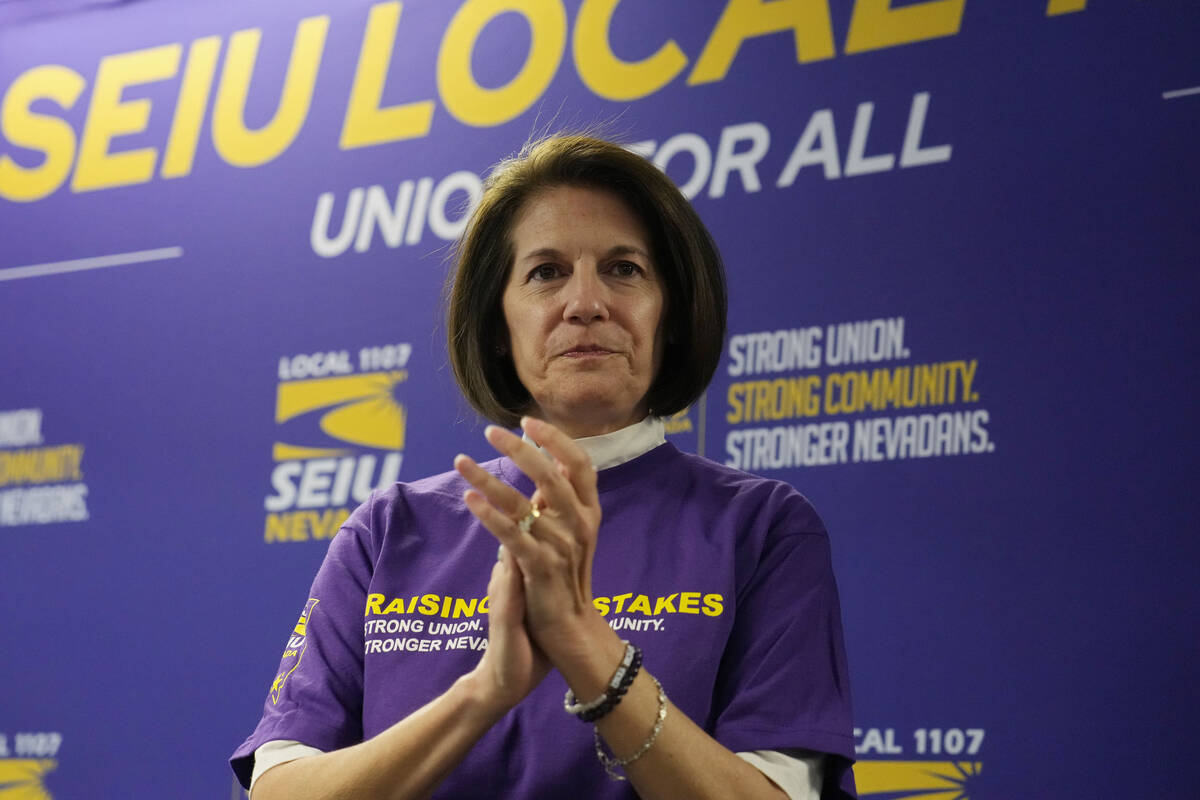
581,427
618,447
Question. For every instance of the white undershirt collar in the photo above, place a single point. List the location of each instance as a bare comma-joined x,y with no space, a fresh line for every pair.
610,449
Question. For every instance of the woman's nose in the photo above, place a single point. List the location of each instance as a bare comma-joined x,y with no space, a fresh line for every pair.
586,297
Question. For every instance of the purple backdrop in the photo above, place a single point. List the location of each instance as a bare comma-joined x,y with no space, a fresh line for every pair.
961,241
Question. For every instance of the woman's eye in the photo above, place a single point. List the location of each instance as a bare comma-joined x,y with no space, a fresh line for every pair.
544,272
626,269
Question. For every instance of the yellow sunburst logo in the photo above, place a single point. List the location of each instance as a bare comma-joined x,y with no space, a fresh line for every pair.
359,410
916,780
22,778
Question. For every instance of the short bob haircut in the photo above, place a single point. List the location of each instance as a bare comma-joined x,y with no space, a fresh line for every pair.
683,251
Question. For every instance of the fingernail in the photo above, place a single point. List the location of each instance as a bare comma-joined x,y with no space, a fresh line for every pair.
525,422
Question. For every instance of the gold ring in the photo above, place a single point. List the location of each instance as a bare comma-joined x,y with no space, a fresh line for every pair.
526,521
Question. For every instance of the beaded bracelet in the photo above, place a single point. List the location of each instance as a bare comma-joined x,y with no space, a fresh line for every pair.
572,707
621,680
610,763
614,694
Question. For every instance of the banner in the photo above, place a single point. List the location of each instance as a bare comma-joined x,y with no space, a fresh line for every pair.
961,246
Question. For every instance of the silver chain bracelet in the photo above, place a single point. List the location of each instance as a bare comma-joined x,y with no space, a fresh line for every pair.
610,763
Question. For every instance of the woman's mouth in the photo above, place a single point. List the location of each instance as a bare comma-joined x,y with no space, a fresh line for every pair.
587,351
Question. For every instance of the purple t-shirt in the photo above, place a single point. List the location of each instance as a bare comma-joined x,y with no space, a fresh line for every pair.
722,578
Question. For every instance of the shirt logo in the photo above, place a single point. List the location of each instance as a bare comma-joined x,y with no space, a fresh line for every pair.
297,644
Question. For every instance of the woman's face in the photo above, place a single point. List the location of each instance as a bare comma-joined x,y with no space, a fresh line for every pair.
584,306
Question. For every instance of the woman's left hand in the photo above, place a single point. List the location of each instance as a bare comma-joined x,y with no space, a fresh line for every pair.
555,555
555,559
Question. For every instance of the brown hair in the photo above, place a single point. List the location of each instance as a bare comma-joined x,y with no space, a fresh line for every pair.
683,251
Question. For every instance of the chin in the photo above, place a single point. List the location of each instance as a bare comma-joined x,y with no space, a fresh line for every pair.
594,409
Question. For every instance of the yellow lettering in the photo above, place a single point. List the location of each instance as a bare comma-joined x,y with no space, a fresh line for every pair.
233,140
108,117
394,607
483,605
301,523
714,604
374,601
666,604
833,386
1056,7
745,19
294,526
464,607
475,105
968,377
782,398
604,73
621,598
734,414
875,24
41,465
640,603
275,528
366,123
190,108
689,603
45,134
75,451
601,604
329,523
429,604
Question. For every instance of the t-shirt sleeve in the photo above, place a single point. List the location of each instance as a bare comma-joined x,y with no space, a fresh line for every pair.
783,681
315,696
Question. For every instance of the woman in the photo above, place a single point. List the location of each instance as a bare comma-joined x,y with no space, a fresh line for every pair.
588,302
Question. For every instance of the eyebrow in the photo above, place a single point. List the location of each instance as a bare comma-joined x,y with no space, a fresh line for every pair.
612,252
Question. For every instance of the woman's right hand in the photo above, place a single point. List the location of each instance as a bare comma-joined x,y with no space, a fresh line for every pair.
512,665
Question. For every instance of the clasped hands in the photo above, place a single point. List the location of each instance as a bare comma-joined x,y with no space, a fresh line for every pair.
540,592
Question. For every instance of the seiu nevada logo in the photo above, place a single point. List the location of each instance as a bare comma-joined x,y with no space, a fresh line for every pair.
340,434
294,652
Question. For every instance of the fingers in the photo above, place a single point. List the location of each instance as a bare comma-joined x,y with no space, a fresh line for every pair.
507,499
498,506
565,532
568,478
579,471
506,596
517,544
497,604
498,523
541,470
